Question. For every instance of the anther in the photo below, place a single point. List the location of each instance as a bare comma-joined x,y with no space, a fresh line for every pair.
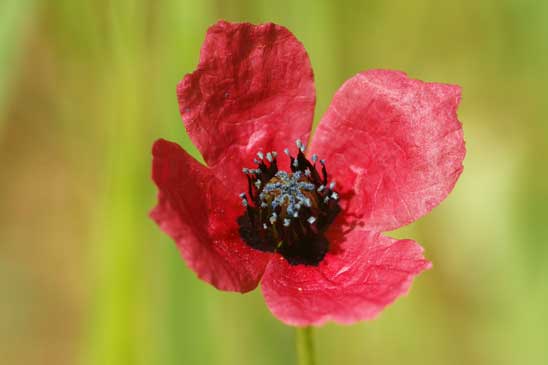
299,144
258,184
265,226
274,154
260,155
287,222
286,151
307,172
244,202
311,219
242,195
334,196
245,170
295,163
256,161
322,162
332,185
314,158
320,188
269,157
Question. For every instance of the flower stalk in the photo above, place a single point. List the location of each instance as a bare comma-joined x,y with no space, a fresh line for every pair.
305,346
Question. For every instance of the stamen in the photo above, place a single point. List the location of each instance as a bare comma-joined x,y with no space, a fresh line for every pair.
299,198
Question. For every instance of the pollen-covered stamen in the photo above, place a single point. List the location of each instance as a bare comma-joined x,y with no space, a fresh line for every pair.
296,207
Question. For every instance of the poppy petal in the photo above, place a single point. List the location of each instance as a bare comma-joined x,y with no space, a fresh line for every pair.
366,272
194,209
394,143
252,90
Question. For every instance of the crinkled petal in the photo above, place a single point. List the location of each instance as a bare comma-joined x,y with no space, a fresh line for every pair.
366,272
253,90
194,209
395,144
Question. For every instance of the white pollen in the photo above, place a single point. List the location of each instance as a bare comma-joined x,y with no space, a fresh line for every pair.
332,185
287,222
334,196
269,157
311,219
326,199
260,155
320,189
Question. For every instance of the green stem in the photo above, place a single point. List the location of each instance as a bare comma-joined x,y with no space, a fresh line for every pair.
305,346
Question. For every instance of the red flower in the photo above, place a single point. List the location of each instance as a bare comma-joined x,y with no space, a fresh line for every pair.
393,145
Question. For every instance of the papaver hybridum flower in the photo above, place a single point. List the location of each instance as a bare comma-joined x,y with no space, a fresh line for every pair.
303,220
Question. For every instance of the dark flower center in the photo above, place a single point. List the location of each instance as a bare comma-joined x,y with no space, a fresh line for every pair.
288,212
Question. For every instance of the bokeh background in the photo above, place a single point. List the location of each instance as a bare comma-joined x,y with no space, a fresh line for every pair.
86,278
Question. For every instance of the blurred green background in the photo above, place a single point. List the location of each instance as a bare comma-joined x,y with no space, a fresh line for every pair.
86,278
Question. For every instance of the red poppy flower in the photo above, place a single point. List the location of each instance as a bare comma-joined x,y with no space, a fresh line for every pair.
308,229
